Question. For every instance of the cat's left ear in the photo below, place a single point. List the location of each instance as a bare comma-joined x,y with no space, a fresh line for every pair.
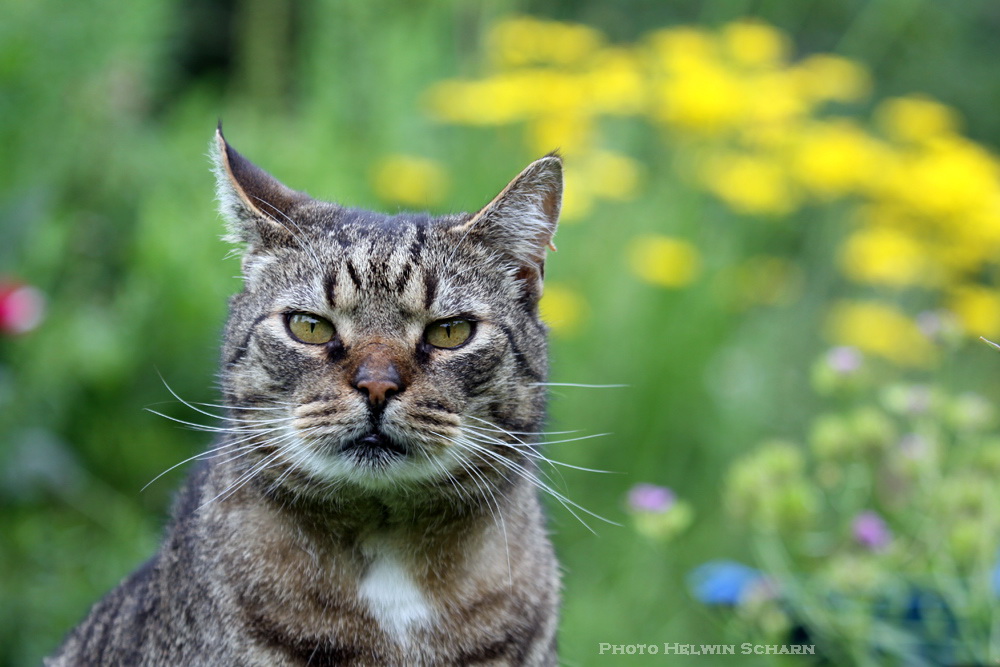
258,208
521,220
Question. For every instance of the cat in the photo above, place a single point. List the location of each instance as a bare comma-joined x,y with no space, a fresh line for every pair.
372,499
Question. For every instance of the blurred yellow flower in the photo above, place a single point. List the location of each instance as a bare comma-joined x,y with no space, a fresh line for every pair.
977,309
835,158
578,198
825,77
754,44
703,97
750,184
612,175
915,119
681,48
526,40
664,261
410,180
562,308
497,101
949,177
772,97
570,133
880,329
616,83
884,256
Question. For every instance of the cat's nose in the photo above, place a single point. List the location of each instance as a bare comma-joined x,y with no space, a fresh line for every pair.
379,378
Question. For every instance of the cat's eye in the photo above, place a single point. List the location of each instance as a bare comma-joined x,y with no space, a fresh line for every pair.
448,333
310,329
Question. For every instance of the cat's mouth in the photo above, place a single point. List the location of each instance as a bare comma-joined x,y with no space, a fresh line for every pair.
373,444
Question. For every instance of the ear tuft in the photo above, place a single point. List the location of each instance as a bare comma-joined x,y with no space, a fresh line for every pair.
257,207
522,219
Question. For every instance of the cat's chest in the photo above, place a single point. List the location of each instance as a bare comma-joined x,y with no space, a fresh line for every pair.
391,593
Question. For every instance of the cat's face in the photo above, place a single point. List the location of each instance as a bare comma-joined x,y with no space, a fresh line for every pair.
386,352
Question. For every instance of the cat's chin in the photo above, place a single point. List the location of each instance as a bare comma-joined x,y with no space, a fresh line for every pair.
373,460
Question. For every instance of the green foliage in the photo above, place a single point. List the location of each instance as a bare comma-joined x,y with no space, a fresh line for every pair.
106,206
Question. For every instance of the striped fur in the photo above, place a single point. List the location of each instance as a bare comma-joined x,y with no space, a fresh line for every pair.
292,545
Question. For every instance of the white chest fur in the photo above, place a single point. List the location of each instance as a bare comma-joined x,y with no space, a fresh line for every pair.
393,596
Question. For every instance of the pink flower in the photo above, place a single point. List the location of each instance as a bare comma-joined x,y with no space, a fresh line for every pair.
22,308
844,360
650,498
870,531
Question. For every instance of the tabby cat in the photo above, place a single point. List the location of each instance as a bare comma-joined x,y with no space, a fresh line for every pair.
372,497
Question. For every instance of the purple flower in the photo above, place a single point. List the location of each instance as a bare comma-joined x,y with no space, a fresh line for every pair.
650,498
723,582
870,531
844,360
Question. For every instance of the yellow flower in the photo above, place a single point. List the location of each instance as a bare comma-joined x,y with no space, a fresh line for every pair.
831,78
526,40
562,308
879,329
949,177
835,158
772,97
664,261
754,44
978,309
750,184
612,175
578,198
410,180
616,83
681,48
569,133
884,256
704,97
915,119
496,101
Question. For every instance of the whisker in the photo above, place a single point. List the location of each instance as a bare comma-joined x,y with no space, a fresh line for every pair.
218,451
194,407
576,384
530,477
255,470
521,443
526,449
498,430
214,429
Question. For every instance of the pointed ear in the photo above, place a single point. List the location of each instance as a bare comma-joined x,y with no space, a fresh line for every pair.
256,206
521,220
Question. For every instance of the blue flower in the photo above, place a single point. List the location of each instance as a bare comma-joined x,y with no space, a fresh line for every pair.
722,582
996,580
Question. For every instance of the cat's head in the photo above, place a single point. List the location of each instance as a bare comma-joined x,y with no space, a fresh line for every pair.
386,352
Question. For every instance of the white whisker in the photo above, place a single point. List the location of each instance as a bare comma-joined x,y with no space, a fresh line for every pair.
576,384
529,476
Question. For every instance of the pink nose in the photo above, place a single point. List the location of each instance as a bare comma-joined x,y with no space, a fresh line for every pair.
379,378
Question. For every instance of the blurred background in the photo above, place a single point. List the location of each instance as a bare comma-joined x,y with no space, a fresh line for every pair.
780,233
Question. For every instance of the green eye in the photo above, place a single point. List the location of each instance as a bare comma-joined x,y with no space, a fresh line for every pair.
448,333
310,329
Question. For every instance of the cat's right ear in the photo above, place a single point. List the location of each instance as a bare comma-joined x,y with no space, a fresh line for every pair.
258,208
